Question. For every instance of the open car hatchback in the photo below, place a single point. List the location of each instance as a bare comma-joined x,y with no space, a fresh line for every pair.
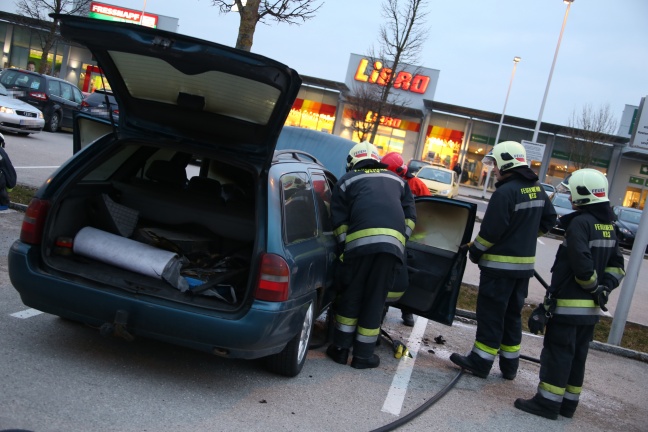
185,223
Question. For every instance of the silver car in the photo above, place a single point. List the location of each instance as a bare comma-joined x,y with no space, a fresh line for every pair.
18,116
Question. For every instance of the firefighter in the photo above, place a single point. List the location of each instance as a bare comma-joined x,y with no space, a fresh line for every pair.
518,212
7,177
395,163
587,268
373,215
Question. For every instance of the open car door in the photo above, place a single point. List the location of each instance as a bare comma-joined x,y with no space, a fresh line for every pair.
435,259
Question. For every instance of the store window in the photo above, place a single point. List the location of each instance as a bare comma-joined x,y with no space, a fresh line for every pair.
442,145
636,192
313,110
564,161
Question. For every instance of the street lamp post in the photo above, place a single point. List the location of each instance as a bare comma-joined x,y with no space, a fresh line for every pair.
544,99
516,60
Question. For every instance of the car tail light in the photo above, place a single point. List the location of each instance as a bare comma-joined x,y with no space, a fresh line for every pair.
38,95
273,283
85,104
34,220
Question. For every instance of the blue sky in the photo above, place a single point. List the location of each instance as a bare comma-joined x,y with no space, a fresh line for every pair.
603,57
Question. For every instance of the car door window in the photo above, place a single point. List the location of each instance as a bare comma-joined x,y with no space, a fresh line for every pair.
66,91
77,96
54,88
323,198
299,207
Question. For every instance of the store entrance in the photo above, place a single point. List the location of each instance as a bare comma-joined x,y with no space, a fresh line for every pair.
635,197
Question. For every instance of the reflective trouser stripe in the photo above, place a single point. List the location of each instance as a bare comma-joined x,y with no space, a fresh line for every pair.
485,352
551,392
365,335
510,352
393,297
345,325
572,393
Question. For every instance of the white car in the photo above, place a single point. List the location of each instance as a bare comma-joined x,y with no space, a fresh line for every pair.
18,116
440,181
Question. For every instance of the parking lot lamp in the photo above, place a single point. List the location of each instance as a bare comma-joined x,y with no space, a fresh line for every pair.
516,60
544,99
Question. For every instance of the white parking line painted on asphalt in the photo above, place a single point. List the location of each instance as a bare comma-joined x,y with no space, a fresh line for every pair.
28,313
396,395
38,167
540,241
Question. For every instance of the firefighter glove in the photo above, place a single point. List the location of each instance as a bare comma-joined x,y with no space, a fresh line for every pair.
601,295
538,320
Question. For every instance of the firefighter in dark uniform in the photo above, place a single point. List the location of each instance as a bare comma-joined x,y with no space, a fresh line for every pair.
518,212
373,215
395,164
587,268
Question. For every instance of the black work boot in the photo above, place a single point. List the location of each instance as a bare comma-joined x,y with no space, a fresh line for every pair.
568,408
408,319
365,363
532,406
470,364
509,367
337,354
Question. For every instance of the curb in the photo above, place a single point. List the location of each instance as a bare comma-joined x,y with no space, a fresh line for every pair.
19,207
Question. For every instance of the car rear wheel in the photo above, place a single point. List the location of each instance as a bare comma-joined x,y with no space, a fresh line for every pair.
54,122
290,361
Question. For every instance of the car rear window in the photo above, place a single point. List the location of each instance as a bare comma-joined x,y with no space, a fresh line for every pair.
222,93
20,79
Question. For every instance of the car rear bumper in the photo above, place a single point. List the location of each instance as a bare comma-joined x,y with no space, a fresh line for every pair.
263,329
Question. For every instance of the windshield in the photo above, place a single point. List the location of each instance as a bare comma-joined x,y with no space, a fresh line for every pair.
428,173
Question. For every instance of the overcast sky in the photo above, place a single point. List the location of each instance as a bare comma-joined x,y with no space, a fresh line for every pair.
603,57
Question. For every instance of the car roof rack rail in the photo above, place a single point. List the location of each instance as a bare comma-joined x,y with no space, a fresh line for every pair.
298,155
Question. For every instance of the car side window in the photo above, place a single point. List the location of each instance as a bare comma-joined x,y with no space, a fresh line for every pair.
77,96
54,88
66,91
299,207
323,198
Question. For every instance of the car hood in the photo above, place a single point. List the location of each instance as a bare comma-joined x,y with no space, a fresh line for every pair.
9,102
189,89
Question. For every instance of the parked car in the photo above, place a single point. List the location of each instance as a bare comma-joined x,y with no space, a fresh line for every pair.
627,224
55,97
101,103
562,204
440,181
235,257
416,164
549,188
18,116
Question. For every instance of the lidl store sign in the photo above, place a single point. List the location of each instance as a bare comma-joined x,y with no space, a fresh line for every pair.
115,13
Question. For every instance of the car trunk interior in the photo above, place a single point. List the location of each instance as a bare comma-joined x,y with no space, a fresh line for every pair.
152,221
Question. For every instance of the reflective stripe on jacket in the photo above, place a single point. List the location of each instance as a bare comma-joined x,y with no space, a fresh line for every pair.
589,256
518,211
373,211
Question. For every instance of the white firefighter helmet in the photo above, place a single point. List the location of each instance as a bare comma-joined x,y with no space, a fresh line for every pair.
587,186
362,151
507,155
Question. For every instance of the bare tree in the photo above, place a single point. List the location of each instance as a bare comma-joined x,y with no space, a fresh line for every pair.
39,10
260,11
586,131
400,39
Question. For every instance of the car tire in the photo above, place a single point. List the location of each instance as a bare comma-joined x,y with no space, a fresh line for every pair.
54,123
290,361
